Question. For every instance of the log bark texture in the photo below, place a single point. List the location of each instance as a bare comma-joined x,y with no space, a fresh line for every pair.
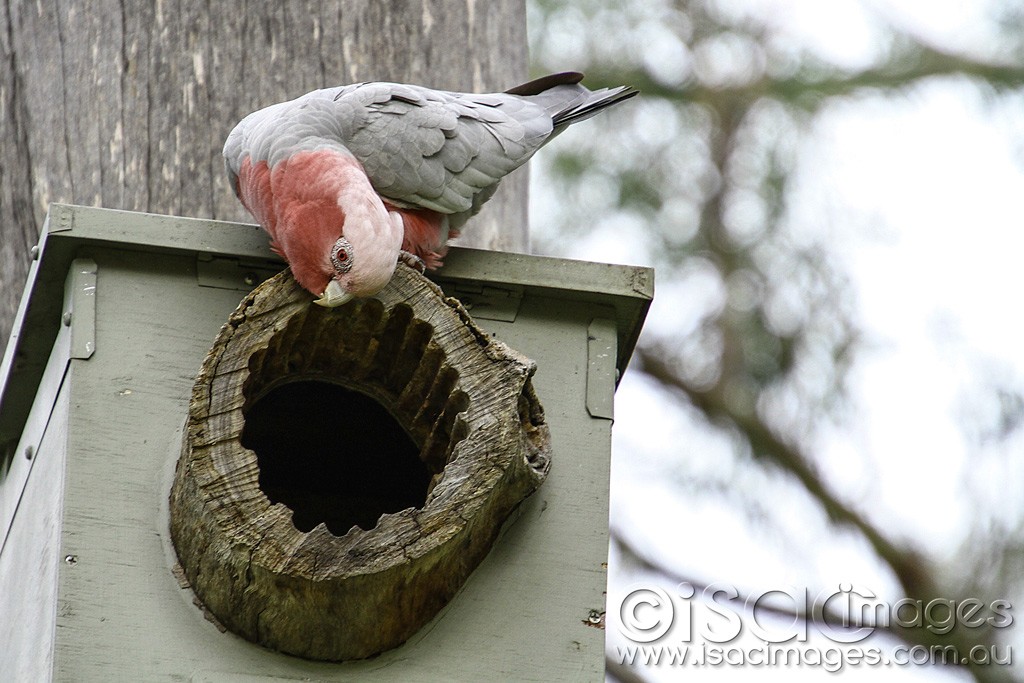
466,401
126,103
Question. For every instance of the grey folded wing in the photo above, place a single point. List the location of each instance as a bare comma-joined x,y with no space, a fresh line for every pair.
437,150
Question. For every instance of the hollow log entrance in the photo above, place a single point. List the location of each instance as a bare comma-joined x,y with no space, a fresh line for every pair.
343,471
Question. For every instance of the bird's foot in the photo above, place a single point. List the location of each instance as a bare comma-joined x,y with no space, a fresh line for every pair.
412,260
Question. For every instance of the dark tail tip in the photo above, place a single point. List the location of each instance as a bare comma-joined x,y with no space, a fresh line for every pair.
539,85
598,100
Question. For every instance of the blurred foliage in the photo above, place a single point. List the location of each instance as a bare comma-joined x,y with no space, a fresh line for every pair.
701,172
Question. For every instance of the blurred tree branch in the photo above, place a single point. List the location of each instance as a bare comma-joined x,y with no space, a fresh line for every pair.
747,355
913,62
905,563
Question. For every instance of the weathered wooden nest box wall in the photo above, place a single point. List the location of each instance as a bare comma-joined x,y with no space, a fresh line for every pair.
395,489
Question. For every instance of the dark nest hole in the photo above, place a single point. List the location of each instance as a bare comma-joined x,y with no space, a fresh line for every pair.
352,414
333,455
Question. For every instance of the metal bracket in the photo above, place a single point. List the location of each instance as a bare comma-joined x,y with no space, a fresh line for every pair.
602,343
80,307
61,217
233,273
488,302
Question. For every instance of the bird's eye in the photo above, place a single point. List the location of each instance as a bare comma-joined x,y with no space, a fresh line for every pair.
341,255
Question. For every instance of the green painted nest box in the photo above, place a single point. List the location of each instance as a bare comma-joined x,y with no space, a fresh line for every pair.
204,477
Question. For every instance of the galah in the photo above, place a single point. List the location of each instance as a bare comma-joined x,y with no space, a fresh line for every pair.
350,180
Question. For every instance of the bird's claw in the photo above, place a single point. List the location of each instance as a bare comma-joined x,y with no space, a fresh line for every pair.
412,260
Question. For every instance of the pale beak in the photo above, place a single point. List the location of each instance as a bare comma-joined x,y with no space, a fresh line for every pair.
334,295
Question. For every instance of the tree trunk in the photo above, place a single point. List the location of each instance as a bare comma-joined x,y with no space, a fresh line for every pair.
126,104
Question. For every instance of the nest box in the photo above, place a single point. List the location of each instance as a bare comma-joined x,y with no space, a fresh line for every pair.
203,477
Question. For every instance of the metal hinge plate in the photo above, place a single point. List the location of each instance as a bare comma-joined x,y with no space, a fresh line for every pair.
233,273
602,344
80,307
486,301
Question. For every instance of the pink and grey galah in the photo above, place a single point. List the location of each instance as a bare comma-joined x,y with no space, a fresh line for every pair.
350,180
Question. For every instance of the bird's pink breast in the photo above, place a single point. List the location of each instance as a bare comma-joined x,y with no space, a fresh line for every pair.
300,193
296,201
254,191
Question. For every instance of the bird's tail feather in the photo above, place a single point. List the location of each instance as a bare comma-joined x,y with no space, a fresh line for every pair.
567,101
595,101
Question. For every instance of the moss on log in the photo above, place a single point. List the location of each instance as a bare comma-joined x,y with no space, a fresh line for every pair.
317,539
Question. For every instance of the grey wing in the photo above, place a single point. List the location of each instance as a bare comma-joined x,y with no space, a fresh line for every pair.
437,150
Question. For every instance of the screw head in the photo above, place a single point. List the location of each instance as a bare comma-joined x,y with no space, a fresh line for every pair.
71,559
